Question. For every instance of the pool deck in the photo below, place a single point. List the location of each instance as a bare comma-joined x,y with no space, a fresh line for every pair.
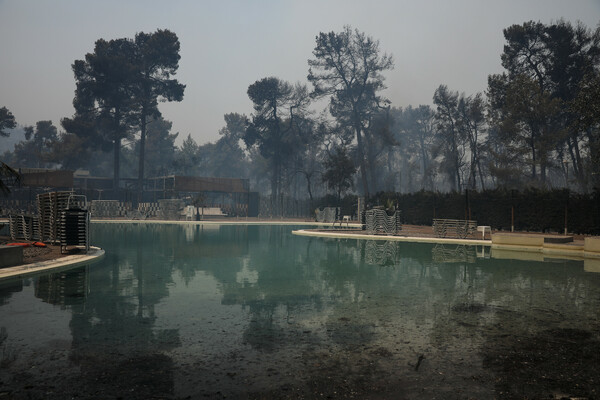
24,270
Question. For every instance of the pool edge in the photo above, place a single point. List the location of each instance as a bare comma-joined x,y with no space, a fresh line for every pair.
20,271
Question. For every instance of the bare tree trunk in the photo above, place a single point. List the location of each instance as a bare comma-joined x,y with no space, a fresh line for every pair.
390,161
426,179
480,174
543,172
456,162
116,163
578,164
533,160
274,191
362,164
473,177
308,186
142,155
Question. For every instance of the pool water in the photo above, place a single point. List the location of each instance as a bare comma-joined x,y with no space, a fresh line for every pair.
249,311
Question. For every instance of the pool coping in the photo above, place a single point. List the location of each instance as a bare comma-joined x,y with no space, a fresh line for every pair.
413,239
72,261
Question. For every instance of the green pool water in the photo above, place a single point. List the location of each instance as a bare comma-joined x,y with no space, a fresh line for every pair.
247,311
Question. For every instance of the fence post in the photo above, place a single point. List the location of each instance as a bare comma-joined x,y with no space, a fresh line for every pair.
512,211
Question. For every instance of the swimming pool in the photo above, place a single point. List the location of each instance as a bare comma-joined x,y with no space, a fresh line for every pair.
249,311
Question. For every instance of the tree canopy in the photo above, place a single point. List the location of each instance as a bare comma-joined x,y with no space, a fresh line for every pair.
536,124
157,60
278,109
118,87
104,97
348,67
7,121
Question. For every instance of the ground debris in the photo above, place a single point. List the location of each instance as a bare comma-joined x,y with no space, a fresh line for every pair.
551,363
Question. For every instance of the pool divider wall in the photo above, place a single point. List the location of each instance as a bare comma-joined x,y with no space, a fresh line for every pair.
10,255
591,247
591,265
515,240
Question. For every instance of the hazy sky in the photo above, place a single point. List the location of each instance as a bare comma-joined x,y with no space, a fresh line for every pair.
227,45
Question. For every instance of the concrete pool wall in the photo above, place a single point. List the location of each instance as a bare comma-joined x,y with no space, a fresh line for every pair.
505,245
20,271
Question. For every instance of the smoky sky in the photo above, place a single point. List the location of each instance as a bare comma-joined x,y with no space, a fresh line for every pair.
228,45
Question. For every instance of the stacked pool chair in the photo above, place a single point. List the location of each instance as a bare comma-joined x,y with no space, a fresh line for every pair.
50,207
73,227
379,222
23,226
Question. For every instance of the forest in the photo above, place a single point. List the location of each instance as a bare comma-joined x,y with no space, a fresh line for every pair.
537,125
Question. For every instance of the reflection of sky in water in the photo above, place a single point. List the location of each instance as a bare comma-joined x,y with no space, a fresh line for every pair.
247,308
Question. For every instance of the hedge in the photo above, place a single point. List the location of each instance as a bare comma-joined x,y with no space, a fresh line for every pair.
534,209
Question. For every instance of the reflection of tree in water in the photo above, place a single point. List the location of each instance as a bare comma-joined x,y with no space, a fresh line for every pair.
321,301
8,288
203,243
553,320
114,339
262,333
531,326
284,286
334,277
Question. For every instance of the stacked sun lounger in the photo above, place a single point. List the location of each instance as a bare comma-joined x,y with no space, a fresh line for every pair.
109,208
23,226
460,228
74,224
148,209
50,207
379,222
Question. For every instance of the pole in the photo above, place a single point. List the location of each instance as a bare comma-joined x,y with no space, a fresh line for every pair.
469,205
512,210
566,210
512,218
565,220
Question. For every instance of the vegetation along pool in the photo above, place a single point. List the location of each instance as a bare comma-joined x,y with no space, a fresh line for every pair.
238,311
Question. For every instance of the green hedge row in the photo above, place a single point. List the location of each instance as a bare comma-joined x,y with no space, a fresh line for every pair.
533,209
